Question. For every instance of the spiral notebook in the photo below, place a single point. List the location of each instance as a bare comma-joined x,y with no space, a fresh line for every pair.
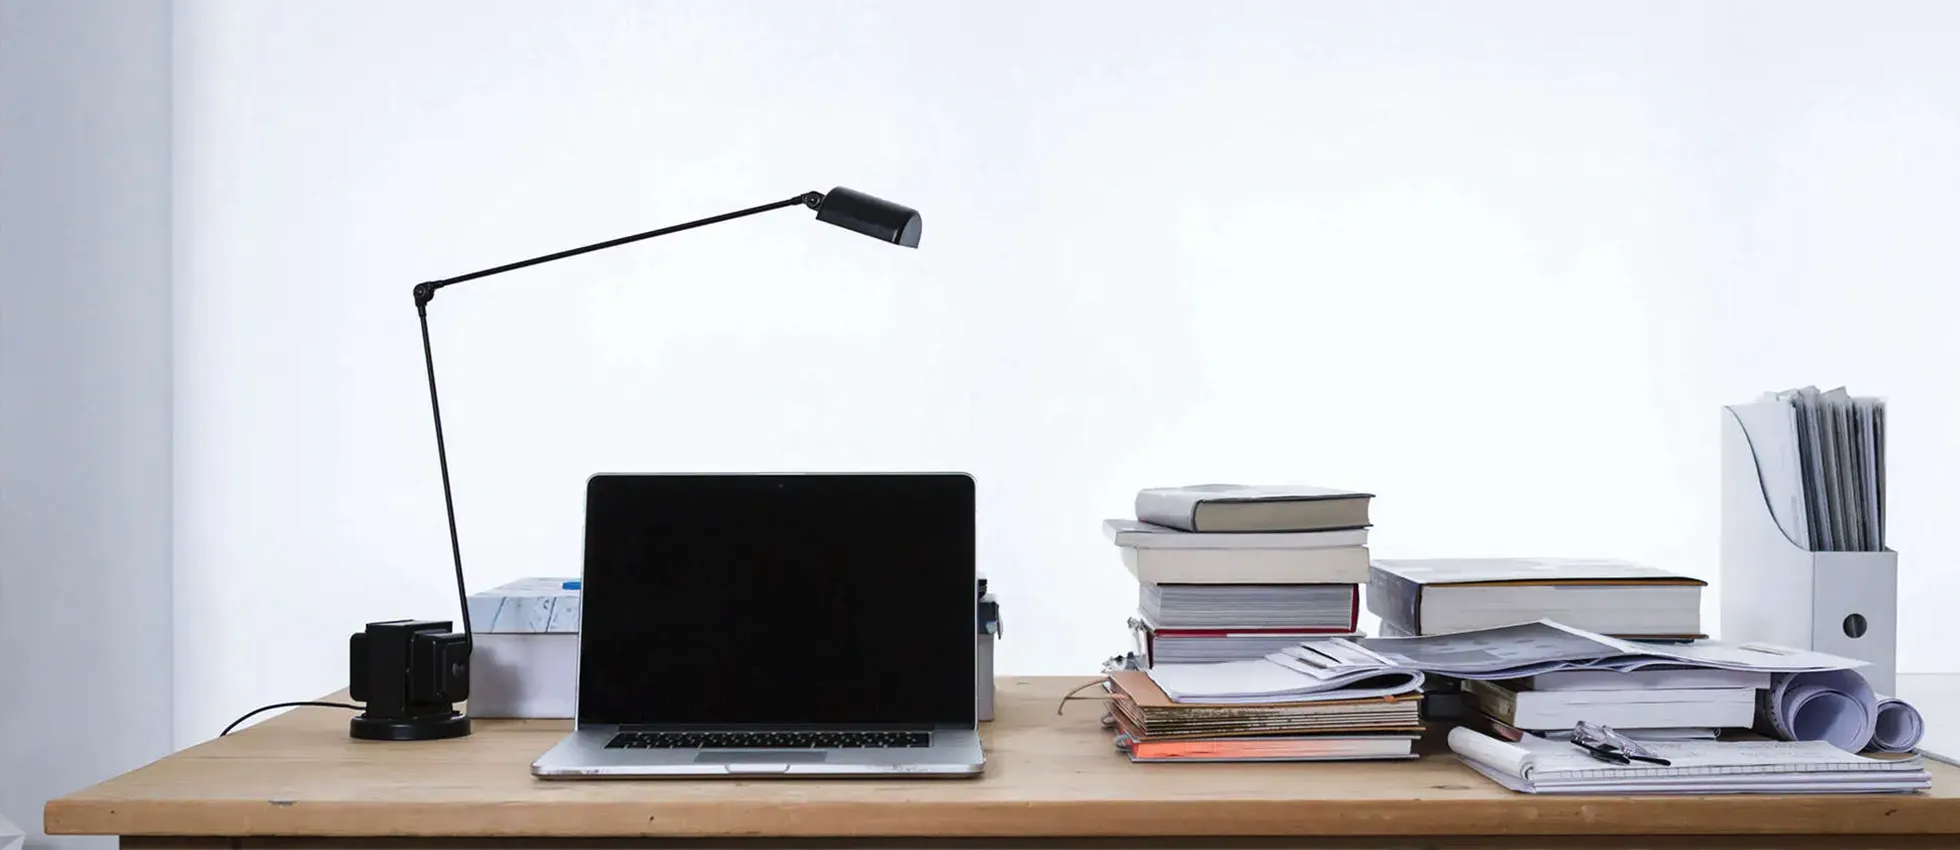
1541,766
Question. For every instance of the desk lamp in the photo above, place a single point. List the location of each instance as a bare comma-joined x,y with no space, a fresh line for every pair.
411,673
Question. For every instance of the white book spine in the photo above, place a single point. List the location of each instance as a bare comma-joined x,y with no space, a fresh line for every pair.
1346,565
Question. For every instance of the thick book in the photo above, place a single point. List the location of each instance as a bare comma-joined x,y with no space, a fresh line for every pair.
1666,708
1610,597
1299,607
1344,565
1642,679
1233,508
1132,534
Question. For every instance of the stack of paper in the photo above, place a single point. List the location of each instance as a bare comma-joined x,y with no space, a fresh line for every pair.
1821,458
1344,671
1533,649
1152,726
1340,668
1539,766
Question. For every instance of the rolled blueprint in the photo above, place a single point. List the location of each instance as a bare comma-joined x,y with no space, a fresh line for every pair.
1899,726
1837,707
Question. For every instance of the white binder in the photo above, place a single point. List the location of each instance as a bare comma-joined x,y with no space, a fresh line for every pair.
1775,590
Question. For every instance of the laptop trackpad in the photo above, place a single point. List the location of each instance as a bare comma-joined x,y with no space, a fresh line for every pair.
759,756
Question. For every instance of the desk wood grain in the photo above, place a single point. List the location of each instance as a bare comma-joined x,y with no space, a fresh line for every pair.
299,778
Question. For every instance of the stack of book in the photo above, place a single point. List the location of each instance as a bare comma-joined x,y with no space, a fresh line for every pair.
1235,572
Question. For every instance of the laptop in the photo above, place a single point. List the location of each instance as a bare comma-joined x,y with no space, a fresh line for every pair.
759,625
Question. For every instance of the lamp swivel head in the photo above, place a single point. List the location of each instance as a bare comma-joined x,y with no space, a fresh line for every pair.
424,292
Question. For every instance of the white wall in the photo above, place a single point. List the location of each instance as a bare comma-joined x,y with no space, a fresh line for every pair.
85,408
1500,263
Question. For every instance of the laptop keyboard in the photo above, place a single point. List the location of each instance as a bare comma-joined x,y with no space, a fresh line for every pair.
767,740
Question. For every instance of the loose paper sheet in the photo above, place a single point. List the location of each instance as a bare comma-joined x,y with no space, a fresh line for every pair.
1529,649
1900,727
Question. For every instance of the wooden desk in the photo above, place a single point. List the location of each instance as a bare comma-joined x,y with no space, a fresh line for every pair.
298,781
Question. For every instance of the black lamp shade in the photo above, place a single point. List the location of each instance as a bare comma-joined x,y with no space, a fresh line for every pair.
874,217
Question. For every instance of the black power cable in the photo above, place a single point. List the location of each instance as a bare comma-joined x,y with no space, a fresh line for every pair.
265,708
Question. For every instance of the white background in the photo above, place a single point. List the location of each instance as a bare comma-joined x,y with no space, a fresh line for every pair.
1499,263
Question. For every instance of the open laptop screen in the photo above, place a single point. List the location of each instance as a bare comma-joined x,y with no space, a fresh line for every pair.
763,600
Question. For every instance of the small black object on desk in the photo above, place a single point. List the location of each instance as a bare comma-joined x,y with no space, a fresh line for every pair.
411,673
408,675
1604,744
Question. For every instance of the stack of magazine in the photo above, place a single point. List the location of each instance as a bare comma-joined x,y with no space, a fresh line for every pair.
1245,711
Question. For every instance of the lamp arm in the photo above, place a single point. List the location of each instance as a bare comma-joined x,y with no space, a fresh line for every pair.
448,495
426,291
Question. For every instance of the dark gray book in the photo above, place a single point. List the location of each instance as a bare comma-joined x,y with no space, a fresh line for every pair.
1208,508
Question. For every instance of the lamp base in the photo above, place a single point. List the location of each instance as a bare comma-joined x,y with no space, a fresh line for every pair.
428,727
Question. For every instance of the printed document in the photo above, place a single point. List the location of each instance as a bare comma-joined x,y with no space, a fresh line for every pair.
1267,681
1531,649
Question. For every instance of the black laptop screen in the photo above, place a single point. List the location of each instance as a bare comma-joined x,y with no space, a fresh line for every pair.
778,599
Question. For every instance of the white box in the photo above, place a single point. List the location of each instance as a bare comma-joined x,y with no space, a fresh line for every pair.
1775,590
525,660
